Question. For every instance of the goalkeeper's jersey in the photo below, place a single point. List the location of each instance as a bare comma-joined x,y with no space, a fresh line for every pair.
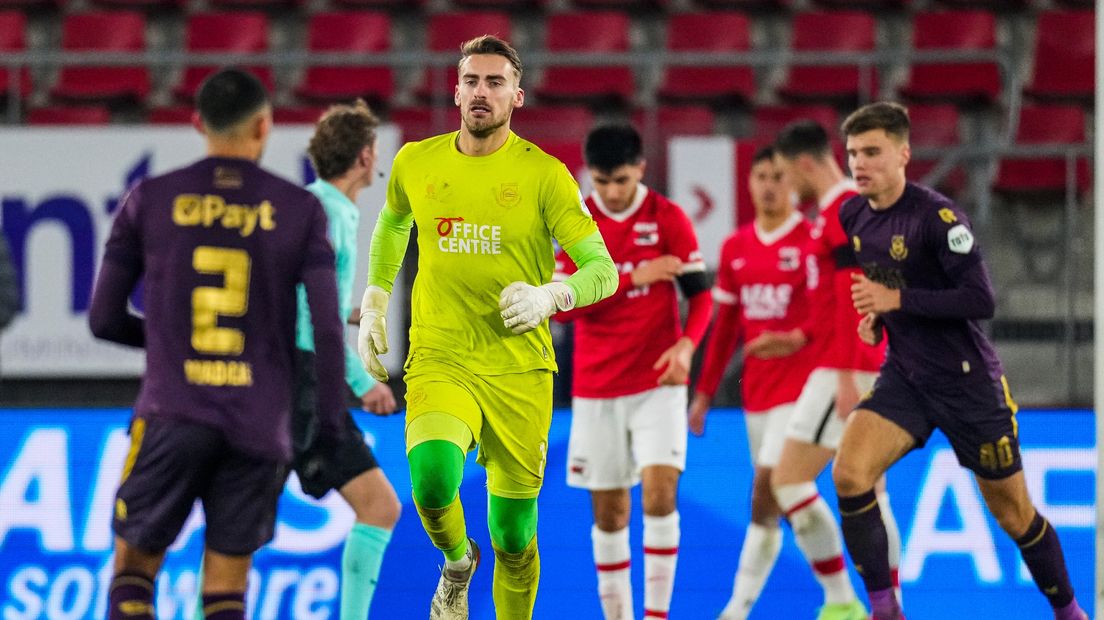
482,223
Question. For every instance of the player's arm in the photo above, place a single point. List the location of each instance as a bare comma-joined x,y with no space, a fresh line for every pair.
389,240
525,306
108,316
970,294
319,277
722,342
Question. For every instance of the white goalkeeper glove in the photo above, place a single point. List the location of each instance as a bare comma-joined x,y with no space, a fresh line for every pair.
525,306
372,339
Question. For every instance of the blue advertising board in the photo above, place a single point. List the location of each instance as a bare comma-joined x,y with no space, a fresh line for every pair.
59,468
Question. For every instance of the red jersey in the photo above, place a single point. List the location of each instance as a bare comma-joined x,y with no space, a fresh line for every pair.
618,339
761,286
833,325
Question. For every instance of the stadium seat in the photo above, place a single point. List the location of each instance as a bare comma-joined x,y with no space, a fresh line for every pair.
107,31
934,127
419,123
447,31
863,4
708,32
962,82
668,122
768,120
297,115
567,151
69,115
356,33
542,123
1044,124
245,31
505,5
597,31
841,31
1064,65
13,38
989,5
172,115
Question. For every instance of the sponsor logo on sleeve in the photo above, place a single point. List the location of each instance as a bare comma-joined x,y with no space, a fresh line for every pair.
960,240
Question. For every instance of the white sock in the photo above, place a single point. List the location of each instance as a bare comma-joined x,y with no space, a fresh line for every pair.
818,537
611,558
465,561
894,536
661,542
757,557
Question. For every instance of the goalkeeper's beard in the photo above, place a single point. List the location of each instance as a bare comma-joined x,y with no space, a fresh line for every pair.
483,129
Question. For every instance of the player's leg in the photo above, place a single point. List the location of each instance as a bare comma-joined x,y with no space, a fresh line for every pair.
377,509
865,381
662,532
811,439
352,469
871,444
514,448
239,503
443,422
131,593
657,430
1039,546
980,422
763,537
612,553
224,585
600,460
164,473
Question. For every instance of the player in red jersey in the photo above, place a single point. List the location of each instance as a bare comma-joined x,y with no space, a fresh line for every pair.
631,364
843,367
761,286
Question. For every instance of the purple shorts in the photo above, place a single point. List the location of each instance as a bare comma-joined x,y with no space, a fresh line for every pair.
171,464
976,414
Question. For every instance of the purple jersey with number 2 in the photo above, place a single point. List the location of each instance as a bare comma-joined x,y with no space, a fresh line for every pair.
221,245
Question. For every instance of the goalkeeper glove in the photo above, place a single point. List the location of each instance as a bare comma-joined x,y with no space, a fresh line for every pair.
525,306
372,339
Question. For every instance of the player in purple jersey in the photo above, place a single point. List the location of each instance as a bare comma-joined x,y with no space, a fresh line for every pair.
220,245
925,282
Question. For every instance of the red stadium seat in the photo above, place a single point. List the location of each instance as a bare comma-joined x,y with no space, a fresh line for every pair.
599,31
423,122
108,31
934,127
840,31
708,32
13,38
543,123
504,5
668,122
173,115
356,33
297,115
1064,67
447,31
769,120
567,151
245,31
989,5
1044,125
863,4
964,82
75,115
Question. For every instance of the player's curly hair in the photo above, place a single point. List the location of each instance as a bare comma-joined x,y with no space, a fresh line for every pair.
339,137
490,44
893,118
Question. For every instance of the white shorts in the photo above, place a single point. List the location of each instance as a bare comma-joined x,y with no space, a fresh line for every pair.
612,439
814,418
767,433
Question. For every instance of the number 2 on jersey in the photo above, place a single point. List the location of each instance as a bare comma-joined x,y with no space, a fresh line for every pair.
209,302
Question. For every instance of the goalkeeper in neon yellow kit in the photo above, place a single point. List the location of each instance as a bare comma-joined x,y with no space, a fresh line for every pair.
479,372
